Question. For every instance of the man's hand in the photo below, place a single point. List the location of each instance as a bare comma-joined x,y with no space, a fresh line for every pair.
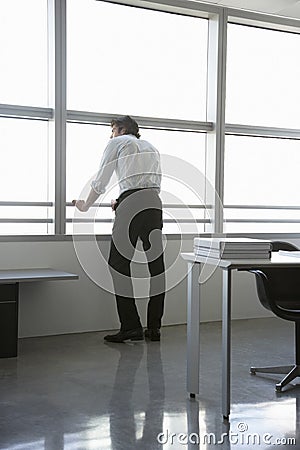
113,204
81,205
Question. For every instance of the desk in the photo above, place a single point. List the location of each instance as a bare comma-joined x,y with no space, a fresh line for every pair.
9,299
193,314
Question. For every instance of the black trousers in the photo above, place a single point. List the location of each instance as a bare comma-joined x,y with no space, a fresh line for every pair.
138,215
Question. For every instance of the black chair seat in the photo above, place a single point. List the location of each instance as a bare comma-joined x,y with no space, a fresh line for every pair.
279,291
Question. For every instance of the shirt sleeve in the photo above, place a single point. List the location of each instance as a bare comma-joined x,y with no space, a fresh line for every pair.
106,169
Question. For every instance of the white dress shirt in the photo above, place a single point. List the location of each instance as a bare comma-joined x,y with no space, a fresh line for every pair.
136,162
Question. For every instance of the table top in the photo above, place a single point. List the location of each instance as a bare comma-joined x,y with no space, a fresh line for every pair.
276,260
34,274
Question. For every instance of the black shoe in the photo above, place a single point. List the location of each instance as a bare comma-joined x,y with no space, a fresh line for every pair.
152,334
121,336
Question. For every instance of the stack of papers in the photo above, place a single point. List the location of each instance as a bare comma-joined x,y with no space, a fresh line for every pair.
233,248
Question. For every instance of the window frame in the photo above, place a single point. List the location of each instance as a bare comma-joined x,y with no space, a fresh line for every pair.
57,114
275,23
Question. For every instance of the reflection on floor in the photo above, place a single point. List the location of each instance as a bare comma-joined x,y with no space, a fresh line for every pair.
75,392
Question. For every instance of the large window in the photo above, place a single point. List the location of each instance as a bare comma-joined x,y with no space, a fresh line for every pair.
262,153
263,73
26,178
262,184
27,165
68,67
135,61
23,52
124,60
182,201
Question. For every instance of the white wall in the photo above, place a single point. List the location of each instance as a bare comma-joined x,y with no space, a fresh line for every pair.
76,306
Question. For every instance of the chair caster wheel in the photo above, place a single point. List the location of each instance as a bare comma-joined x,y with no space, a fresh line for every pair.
253,371
192,395
278,388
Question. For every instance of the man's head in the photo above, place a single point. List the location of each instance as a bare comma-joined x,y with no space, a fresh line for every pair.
124,125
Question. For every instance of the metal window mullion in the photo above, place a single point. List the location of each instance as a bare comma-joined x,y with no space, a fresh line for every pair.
221,92
57,93
263,20
263,207
13,220
111,220
147,122
259,131
16,203
262,221
165,205
26,112
188,8
216,85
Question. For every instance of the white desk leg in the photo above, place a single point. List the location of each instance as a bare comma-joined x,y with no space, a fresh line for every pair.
193,329
226,342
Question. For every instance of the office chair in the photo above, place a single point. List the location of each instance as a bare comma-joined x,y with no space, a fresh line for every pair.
279,292
280,245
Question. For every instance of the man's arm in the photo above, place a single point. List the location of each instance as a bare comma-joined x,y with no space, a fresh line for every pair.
98,186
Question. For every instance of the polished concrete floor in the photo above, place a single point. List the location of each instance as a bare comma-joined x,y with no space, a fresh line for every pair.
75,392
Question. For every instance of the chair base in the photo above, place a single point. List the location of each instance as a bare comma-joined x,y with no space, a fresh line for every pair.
292,373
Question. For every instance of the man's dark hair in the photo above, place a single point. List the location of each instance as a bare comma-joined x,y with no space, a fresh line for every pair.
130,125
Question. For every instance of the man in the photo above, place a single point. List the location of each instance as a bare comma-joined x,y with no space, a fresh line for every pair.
138,215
